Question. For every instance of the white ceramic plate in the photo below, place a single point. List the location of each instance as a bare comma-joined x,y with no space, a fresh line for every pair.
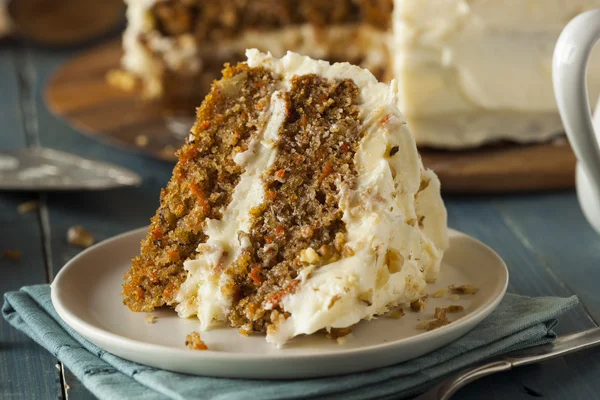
87,296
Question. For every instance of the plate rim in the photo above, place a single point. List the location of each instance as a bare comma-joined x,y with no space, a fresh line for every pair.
89,331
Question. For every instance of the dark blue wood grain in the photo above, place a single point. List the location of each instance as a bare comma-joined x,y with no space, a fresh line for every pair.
554,228
26,372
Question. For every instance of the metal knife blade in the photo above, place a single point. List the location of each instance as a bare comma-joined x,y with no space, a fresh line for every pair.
47,169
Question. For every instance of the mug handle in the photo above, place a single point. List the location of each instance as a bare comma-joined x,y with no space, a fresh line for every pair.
569,67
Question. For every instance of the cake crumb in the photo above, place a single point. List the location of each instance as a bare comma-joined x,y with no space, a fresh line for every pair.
463,289
12,255
439,320
343,339
432,324
141,140
337,333
121,79
454,308
67,387
28,207
79,236
439,293
417,305
424,324
57,366
194,342
396,314
440,313
150,319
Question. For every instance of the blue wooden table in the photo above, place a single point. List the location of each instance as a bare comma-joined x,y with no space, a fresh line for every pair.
544,239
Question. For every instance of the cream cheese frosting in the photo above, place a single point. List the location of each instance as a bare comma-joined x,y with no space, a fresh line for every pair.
481,70
394,215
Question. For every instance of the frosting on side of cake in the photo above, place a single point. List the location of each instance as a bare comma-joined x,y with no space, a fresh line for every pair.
481,70
394,218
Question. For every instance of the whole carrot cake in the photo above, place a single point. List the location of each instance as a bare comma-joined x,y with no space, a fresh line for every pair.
299,204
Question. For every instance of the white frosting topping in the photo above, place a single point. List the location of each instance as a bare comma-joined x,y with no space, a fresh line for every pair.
204,293
393,257
468,68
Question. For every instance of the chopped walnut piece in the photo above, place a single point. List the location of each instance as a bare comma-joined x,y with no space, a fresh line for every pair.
437,323
194,342
78,236
433,324
463,289
343,339
417,305
337,333
121,79
150,319
12,255
440,313
396,314
309,255
440,293
28,206
455,308
141,140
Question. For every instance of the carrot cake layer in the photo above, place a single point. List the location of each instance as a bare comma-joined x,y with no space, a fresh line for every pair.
202,185
328,216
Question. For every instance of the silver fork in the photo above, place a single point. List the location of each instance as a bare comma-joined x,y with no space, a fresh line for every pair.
563,345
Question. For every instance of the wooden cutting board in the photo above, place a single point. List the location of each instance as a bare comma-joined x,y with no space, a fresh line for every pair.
79,93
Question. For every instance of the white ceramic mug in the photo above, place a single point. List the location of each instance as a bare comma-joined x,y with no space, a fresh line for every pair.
569,68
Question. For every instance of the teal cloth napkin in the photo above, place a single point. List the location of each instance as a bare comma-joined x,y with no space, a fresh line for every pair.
518,322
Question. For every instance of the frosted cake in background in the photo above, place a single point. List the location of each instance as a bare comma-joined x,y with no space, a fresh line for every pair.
469,71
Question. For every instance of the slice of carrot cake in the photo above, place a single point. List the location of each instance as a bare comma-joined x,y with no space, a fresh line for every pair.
299,203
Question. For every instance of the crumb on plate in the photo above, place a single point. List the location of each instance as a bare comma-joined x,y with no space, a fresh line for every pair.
28,206
194,342
417,305
463,289
439,293
79,236
396,314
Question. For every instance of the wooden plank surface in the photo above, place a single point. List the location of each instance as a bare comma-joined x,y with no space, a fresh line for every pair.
536,244
26,372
